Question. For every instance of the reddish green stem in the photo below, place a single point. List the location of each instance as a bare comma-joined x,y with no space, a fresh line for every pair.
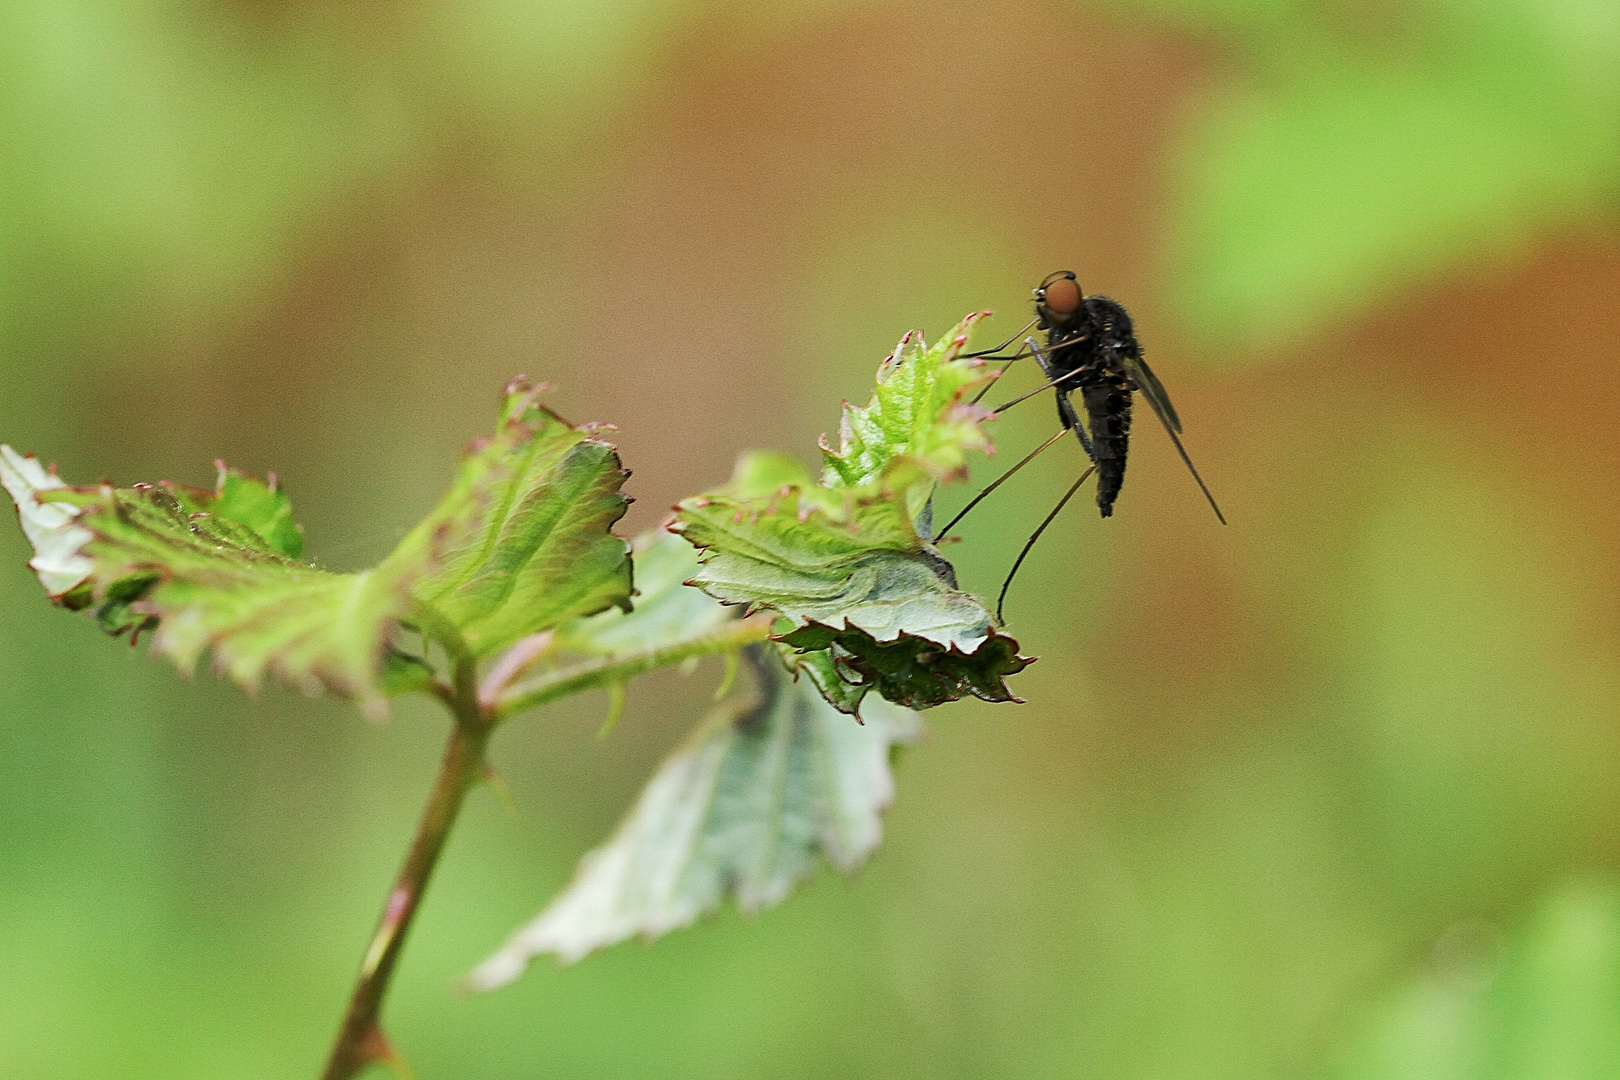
360,1042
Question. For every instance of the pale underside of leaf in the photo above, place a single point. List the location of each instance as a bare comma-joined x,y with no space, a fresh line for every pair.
58,542
885,594
743,809
893,621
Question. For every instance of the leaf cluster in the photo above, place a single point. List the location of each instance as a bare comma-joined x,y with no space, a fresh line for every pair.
868,602
514,592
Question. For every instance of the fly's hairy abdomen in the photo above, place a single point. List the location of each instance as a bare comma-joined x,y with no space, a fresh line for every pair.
1108,415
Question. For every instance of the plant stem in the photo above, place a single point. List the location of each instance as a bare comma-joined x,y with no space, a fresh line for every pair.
360,1041
616,669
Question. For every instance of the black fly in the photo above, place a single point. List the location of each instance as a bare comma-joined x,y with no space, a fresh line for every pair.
1091,348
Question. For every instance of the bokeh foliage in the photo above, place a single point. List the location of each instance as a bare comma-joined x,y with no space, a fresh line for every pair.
1365,149
1267,778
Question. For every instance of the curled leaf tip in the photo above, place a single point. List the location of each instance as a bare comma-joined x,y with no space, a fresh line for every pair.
520,384
909,669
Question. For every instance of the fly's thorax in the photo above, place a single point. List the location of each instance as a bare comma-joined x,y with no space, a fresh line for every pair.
1108,317
1111,326
1068,349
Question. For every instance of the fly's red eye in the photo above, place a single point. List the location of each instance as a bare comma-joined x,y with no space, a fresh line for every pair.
1061,297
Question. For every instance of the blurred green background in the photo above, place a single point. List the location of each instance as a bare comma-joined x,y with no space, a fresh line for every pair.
1332,792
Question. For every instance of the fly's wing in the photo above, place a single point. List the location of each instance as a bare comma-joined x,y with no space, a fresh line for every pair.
1152,389
1142,375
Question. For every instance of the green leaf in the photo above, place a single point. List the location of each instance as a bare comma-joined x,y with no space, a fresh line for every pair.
671,623
259,506
842,690
742,809
667,611
887,621
173,558
522,543
851,555
919,425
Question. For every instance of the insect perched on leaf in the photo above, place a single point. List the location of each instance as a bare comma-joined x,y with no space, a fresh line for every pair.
1091,349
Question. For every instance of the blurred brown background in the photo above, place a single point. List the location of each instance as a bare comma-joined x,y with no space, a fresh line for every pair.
1308,795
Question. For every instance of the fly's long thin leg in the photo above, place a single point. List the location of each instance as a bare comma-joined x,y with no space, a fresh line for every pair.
980,354
1034,350
1021,354
985,389
1004,406
1002,479
1056,510
1065,406
1190,468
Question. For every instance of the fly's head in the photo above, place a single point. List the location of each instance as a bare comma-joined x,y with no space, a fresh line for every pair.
1059,302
